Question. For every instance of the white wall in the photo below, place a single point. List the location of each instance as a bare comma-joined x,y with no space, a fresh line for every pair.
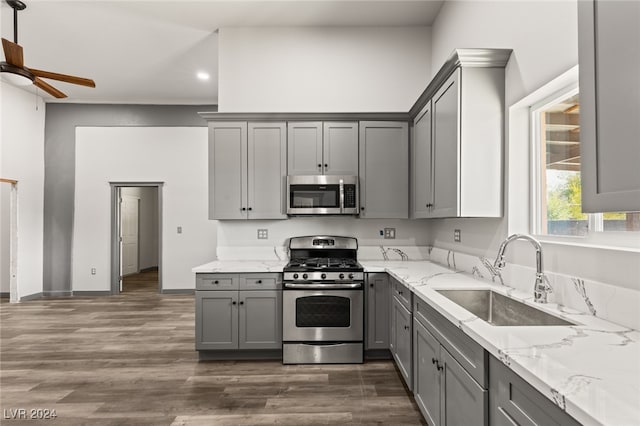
176,156
543,36
322,69
148,238
22,158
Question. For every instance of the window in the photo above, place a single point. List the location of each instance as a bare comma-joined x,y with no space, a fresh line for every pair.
557,188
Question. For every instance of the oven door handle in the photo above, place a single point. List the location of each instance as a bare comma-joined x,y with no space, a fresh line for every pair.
329,286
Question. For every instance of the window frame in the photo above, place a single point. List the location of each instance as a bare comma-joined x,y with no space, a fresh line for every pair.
596,236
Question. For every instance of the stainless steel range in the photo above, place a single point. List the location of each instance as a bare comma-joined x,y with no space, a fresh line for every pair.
323,302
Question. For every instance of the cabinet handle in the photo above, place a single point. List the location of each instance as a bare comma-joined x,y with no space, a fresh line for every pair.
243,209
233,303
400,292
362,208
371,285
434,361
242,302
406,327
216,282
320,166
326,166
250,208
259,281
440,368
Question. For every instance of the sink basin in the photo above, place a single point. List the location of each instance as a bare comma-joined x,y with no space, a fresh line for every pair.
500,310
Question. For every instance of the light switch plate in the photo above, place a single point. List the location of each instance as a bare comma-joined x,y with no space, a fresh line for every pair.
263,234
456,235
389,233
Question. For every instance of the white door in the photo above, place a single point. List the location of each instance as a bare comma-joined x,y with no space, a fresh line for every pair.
129,234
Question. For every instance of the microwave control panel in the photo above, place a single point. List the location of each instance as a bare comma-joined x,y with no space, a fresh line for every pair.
349,196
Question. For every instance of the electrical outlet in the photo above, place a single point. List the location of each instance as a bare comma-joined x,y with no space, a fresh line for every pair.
389,233
93,271
456,235
179,229
263,234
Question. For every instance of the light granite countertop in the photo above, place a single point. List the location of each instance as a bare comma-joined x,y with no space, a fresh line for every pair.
590,370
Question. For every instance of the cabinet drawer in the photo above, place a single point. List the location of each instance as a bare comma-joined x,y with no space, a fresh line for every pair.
402,293
261,281
217,282
463,348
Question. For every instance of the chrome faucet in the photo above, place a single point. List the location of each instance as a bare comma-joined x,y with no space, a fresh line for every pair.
541,288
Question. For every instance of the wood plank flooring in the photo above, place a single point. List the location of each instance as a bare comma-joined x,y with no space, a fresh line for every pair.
130,360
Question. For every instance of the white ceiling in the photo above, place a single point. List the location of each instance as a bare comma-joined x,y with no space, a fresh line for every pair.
149,51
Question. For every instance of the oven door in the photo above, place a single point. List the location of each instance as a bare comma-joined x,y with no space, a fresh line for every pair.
322,315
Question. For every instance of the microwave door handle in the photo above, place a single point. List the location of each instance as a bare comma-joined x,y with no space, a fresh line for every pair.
341,195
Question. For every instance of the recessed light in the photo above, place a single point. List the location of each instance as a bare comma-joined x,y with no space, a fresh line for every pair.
203,76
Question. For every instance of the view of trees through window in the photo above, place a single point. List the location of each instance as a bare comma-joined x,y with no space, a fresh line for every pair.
560,176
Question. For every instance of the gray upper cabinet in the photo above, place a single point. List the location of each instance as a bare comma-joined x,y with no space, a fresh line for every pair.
608,34
247,170
340,148
457,139
421,182
323,148
227,170
384,176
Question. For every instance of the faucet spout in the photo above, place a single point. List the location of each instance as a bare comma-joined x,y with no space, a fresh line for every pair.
541,288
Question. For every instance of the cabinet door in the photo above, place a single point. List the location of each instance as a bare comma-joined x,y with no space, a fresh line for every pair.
384,176
216,320
340,148
267,170
421,164
305,148
445,147
402,353
426,376
608,34
227,170
378,292
512,401
463,401
260,317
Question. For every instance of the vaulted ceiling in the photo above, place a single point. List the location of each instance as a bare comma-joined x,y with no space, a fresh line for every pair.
150,51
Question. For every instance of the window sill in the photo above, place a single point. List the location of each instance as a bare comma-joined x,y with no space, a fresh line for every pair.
630,244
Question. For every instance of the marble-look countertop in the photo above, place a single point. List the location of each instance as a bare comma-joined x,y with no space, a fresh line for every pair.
590,370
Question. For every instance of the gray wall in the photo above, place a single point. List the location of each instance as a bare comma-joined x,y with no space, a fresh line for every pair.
59,168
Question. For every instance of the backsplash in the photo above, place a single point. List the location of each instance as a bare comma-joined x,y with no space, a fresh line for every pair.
612,303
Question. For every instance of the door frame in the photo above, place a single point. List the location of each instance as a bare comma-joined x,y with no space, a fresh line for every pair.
115,230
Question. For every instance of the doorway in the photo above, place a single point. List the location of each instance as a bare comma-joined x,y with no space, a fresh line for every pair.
136,237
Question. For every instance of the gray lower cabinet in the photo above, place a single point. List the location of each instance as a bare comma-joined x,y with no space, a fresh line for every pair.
400,342
446,393
515,402
377,296
238,311
384,169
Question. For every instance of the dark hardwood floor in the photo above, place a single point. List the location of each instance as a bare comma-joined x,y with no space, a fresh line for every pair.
130,360
146,281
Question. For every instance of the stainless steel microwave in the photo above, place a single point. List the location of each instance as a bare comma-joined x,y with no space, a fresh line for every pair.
316,195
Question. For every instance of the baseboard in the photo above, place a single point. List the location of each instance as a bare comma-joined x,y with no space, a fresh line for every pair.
4,295
34,296
377,354
58,293
91,293
235,355
188,291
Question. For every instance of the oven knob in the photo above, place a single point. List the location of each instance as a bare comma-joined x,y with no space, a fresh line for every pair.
295,276
341,276
305,276
350,276
323,276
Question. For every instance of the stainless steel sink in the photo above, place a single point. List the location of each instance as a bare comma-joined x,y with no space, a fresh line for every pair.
500,310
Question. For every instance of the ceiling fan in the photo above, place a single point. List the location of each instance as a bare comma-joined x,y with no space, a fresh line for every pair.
14,64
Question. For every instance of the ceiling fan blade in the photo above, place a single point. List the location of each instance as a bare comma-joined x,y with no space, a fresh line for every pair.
13,53
48,88
63,77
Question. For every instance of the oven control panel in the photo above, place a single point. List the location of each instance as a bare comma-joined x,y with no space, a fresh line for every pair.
324,276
